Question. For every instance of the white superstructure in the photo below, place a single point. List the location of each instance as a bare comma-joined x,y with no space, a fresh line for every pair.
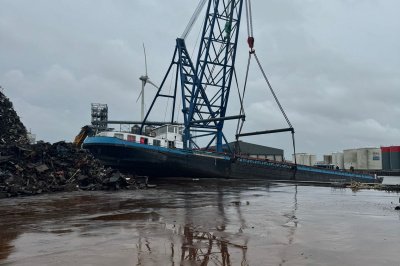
167,136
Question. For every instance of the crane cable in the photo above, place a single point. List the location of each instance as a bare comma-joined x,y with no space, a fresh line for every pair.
239,128
247,18
241,98
250,41
249,34
284,114
272,91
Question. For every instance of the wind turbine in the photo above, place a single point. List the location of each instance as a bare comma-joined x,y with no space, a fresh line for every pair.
144,80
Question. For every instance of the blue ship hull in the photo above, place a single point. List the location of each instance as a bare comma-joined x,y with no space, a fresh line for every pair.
156,161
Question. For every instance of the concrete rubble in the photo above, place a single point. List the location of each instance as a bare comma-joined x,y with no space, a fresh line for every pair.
29,169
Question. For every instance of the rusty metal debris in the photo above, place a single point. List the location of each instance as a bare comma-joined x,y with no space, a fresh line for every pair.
47,170
29,169
11,128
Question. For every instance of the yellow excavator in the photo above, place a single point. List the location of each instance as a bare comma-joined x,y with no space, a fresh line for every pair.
80,138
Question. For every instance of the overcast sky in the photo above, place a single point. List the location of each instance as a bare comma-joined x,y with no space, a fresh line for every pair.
334,65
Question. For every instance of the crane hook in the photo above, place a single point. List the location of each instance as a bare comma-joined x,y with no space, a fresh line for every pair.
250,41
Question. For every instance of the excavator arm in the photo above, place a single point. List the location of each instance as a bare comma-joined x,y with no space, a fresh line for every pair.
85,131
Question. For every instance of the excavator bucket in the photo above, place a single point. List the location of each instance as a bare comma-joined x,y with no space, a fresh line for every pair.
85,131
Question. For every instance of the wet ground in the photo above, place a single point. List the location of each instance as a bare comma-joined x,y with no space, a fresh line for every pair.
203,222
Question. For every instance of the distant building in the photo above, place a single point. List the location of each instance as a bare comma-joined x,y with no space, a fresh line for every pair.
304,159
99,116
391,157
338,159
255,151
363,159
328,159
31,138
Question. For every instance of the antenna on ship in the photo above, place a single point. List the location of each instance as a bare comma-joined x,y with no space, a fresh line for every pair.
144,80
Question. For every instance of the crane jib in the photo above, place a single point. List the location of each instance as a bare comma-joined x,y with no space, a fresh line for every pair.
204,84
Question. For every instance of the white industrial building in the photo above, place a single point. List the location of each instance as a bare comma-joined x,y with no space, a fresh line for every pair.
350,158
305,159
369,158
338,159
363,158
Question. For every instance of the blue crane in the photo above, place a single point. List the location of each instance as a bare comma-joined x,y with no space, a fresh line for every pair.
205,85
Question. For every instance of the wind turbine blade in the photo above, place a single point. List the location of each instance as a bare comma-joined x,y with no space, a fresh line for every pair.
149,81
139,96
145,59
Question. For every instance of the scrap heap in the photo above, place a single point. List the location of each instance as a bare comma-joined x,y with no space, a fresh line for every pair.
11,128
27,169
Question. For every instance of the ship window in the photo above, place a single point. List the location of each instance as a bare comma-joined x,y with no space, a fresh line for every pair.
144,141
131,138
161,130
119,135
156,142
171,129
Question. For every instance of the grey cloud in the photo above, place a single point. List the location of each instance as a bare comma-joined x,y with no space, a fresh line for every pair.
333,64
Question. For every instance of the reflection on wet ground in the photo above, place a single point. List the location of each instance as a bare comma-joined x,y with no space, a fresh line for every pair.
203,222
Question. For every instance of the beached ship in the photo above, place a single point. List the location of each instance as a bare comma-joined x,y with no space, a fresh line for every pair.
203,87
161,154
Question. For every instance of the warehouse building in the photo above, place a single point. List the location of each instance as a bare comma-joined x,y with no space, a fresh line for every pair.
255,151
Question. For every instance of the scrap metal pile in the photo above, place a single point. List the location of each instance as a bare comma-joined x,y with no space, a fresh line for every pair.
11,128
27,169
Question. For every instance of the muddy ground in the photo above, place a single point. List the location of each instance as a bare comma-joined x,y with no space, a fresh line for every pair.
203,222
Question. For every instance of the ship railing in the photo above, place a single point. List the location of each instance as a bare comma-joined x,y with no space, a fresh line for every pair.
216,152
263,163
